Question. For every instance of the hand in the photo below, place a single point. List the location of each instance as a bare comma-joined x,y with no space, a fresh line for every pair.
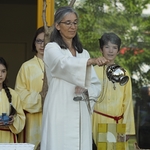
100,61
79,93
79,90
11,120
6,124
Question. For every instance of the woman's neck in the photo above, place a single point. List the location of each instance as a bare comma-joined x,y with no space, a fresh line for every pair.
39,56
70,46
1,87
68,42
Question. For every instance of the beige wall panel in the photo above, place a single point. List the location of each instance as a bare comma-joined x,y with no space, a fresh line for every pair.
18,23
15,55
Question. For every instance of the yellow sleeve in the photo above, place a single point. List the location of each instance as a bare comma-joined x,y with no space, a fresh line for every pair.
28,85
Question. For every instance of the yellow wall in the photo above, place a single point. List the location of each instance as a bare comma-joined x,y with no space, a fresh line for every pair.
49,12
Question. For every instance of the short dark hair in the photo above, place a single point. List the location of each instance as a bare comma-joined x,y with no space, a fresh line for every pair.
109,37
38,31
56,36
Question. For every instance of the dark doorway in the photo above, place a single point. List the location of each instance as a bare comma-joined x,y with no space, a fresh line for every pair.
17,28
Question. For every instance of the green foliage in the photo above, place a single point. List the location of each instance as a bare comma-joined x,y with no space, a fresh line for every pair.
127,22
60,3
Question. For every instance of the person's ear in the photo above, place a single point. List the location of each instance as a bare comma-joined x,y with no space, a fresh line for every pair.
57,26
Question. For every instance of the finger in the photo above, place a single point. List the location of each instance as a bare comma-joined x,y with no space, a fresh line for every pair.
11,122
100,62
76,89
79,90
103,61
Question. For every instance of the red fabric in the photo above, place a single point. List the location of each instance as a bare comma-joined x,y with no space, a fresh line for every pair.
113,117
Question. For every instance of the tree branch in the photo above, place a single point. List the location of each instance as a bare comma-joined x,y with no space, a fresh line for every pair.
72,3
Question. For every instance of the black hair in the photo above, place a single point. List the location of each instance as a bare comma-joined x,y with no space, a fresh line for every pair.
7,91
38,31
109,37
56,36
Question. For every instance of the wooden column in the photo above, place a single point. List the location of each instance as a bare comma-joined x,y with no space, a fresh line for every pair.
49,12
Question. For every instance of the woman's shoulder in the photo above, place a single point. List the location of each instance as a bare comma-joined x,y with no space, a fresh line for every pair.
29,61
85,52
14,94
52,44
12,91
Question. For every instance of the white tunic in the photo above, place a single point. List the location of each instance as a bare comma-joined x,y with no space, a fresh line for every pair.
66,123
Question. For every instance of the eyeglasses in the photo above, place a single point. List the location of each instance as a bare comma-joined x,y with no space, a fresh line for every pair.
39,41
69,23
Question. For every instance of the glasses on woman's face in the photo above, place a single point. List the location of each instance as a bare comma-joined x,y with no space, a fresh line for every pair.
39,41
69,23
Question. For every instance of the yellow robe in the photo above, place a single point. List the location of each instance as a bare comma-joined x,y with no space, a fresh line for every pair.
115,103
19,118
29,84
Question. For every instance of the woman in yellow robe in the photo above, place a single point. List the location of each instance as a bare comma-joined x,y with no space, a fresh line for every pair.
115,100
10,104
29,83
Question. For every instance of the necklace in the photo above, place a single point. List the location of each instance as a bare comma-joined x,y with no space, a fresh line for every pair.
40,65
